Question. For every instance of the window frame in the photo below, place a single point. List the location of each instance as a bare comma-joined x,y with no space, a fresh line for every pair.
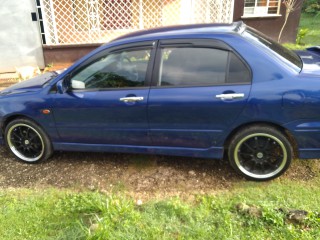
148,45
259,15
196,43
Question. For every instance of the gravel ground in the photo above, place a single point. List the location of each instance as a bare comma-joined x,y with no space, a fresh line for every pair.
139,175
142,176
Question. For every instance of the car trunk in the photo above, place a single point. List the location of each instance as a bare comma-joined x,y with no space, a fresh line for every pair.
311,60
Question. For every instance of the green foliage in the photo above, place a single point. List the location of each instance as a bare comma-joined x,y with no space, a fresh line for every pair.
293,46
49,65
210,217
306,38
28,214
311,6
273,217
313,24
301,35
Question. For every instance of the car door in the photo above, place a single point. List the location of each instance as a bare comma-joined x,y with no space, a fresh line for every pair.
107,102
199,89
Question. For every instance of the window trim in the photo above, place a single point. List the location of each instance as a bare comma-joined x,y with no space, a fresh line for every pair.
260,15
152,45
196,43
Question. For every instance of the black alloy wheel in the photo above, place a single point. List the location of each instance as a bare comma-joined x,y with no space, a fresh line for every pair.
260,153
27,141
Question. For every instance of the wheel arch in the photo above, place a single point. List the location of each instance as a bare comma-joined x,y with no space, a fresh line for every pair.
10,118
280,128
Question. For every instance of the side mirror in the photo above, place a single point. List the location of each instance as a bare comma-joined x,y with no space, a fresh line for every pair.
75,84
63,86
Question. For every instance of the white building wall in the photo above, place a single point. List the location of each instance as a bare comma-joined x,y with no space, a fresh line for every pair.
20,43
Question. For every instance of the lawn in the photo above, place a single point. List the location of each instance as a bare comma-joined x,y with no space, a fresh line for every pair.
310,24
249,211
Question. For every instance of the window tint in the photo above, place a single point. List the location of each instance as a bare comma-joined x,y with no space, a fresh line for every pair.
238,72
276,48
192,66
200,66
116,70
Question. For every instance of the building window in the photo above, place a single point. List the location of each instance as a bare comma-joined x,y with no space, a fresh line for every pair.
261,8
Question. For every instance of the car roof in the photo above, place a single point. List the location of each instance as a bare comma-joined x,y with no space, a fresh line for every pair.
236,27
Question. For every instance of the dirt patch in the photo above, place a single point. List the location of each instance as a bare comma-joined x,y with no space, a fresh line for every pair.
143,174
139,175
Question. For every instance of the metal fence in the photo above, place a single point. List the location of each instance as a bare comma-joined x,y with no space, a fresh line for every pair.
97,21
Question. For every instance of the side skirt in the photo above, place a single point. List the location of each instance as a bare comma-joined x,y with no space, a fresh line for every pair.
309,153
213,152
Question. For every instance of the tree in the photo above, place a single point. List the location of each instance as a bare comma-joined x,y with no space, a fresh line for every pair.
291,5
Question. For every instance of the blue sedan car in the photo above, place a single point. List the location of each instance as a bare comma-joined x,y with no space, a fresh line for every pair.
198,90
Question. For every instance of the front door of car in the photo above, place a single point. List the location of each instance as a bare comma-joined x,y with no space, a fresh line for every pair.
199,89
107,102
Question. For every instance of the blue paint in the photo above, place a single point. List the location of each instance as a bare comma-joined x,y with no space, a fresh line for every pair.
184,121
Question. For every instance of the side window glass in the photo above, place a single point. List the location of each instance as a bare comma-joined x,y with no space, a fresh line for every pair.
238,71
116,70
192,66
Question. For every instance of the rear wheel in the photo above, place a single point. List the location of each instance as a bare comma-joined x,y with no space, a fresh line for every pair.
260,153
27,141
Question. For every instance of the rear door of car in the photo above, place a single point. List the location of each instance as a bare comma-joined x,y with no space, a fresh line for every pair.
199,88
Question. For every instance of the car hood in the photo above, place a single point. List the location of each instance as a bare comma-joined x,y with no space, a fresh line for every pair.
311,60
30,85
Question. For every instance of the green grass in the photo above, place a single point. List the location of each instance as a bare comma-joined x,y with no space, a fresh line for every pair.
312,38
313,24
27,214
65,214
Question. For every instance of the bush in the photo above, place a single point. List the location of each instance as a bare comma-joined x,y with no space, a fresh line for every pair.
301,35
311,6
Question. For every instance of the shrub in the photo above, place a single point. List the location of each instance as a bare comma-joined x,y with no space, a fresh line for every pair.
311,6
301,34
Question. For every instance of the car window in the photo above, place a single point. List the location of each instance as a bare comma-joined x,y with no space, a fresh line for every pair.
188,66
260,39
238,71
115,70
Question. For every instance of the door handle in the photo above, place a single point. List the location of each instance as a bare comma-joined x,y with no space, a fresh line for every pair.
229,96
131,99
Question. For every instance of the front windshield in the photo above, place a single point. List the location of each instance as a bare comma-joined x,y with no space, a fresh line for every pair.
258,38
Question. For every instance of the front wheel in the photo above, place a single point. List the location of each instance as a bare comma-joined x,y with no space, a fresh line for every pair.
27,141
260,153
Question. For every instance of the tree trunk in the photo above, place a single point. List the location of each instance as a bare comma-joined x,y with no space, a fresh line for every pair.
284,24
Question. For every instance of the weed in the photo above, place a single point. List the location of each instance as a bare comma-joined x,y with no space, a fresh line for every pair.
301,35
306,37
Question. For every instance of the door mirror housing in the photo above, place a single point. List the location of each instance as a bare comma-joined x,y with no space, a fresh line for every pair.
63,85
75,84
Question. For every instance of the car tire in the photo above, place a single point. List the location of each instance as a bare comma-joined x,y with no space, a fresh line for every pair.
27,141
260,153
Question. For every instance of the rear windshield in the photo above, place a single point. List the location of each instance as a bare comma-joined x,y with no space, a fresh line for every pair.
259,38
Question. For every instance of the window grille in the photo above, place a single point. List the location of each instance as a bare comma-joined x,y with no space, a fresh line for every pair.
98,21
